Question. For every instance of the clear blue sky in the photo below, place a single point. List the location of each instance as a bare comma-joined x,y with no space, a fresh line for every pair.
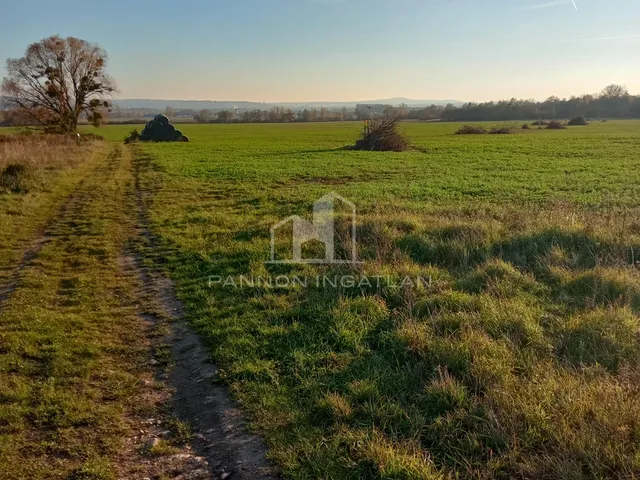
322,50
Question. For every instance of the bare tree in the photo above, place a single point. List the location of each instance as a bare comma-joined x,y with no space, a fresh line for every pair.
225,116
289,116
255,116
57,80
615,91
203,117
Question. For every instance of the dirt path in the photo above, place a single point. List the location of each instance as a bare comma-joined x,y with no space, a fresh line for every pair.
200,398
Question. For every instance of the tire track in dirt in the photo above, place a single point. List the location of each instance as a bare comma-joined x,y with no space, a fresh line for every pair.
44,237
200,398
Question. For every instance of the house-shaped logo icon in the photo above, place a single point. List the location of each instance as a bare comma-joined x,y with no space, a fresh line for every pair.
322,229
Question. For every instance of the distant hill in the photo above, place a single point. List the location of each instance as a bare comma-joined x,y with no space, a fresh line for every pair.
159,104
154,104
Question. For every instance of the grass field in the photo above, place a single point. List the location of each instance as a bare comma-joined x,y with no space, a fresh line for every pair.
519,360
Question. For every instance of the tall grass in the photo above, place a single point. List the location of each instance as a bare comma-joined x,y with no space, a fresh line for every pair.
28,162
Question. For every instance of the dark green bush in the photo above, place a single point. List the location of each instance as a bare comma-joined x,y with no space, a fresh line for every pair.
134,136
578,121
14,178
555,125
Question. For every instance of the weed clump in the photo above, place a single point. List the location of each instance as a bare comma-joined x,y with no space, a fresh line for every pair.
444,394
471,130
15,178
133,137
556,125
501,129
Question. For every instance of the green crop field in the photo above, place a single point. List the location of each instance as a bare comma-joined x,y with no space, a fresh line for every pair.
579,165
520,358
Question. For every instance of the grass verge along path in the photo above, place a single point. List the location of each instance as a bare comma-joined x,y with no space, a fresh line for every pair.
77,395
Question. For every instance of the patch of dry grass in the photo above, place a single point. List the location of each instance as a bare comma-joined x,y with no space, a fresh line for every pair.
42,152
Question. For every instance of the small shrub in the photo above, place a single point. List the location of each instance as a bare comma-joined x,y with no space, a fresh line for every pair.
471,130
578,121
134,136
501,129
555,125
525,126
383,135
15,178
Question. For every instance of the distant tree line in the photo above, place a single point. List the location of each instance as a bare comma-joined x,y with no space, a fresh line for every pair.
274,115
613,102
369,111
286,115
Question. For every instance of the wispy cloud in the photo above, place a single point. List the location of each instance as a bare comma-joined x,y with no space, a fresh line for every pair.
557,3
597,39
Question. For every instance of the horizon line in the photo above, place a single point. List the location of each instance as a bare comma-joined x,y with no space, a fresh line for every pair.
289,101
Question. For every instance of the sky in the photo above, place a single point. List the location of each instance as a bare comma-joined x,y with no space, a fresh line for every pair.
345,50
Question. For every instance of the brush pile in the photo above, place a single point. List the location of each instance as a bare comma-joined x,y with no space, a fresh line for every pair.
383,135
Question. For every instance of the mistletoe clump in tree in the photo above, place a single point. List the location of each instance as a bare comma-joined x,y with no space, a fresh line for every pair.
56,81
